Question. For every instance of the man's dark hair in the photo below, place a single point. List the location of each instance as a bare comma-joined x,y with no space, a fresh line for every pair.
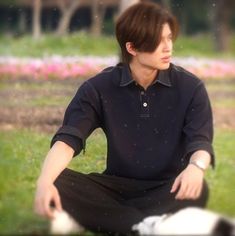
141,24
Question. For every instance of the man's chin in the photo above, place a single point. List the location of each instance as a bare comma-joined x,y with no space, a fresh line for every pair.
163,67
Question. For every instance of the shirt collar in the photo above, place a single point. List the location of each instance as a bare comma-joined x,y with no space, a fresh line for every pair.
126,77
163,76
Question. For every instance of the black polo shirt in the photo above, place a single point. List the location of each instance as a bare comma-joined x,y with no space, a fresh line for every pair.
150,133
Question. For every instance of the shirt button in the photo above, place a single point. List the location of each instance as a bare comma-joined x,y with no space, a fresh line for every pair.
145,104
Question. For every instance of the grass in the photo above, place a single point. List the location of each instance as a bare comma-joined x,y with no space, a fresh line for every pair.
49,44
81,43
223,103
20,159
23,152
222,180
215,85
201,45
39,93
222,93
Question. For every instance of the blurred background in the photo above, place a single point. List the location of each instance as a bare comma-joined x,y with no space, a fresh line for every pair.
49,47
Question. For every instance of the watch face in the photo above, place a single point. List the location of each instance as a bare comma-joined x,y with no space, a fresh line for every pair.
200,164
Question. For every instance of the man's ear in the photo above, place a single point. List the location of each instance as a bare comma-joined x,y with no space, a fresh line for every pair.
130,48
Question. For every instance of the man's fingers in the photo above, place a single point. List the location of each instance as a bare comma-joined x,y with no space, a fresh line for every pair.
57,202
175,185
181,193
188,192
43,199
48,212
47,208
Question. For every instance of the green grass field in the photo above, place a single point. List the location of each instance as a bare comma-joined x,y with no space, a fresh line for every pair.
22,152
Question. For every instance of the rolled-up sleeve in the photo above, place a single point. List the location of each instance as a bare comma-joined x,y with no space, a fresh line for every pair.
81,117
198,125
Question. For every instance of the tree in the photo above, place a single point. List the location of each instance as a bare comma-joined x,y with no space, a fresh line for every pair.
98,12
37,4
67,8
167,4
22,21
221,13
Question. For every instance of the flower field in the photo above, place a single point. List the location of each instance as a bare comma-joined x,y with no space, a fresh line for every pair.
55,67
58,67
208,68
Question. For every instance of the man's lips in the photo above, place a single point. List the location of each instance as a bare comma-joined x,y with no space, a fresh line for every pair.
166,58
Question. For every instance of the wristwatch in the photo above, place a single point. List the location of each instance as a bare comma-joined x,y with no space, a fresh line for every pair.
198,163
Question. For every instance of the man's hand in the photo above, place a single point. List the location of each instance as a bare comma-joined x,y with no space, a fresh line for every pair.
189,183
45,194
55,162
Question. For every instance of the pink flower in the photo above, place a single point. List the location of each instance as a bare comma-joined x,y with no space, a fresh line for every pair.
74,67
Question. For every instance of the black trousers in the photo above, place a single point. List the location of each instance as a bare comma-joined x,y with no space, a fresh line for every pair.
111,204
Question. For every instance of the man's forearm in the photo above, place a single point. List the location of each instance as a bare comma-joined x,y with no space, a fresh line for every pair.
55,162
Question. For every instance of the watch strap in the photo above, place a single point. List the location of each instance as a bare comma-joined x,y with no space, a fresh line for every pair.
197,165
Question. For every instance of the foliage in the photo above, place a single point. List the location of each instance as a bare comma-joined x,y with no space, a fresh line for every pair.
83,43
201,45
74,44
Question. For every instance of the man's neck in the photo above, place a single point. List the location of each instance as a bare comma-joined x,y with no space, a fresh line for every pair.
144,76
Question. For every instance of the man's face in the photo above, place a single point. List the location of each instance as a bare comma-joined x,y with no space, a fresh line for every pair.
161,57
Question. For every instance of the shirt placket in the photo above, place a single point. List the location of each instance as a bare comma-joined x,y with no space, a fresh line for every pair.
144,103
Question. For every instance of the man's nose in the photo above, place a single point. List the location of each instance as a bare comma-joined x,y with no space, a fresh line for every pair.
167,46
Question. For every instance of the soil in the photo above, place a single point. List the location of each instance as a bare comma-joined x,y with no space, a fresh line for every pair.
49,118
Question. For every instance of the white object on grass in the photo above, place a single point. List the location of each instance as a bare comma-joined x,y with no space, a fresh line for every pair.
63,223
188,221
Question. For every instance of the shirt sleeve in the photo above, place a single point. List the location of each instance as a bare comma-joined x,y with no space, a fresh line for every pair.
198,125
81,117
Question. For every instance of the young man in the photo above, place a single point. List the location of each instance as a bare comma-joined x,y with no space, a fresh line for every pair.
158,123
